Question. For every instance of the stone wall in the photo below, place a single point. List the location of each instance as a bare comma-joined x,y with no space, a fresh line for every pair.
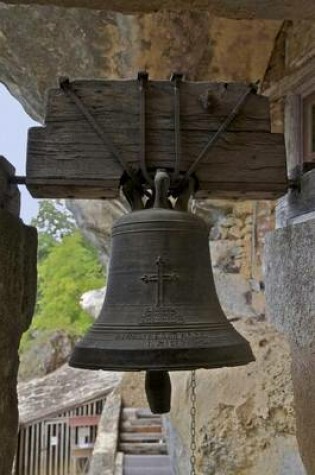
236,242
245,415
294,48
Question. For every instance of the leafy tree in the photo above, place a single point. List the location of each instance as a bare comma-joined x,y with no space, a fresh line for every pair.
53,222
68,266
70,269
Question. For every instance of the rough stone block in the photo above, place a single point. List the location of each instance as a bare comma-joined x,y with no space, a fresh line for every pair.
9,193
18,247
290,296
245,415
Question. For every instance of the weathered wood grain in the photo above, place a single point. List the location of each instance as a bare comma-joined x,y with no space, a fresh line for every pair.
66,158
203,105
241,159
293,135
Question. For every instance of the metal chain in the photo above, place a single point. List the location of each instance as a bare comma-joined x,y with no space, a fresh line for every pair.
193,410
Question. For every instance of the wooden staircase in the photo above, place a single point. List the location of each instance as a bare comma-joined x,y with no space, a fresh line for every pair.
142,443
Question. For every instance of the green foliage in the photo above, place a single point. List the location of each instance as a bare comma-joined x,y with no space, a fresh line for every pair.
68,266
70,269
53,222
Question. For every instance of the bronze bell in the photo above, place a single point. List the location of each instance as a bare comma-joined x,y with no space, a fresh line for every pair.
161,311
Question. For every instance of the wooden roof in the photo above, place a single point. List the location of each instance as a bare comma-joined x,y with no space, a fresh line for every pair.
62,390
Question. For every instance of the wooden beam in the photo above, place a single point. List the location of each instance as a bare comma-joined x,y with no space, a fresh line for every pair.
115,104
81,421
67,159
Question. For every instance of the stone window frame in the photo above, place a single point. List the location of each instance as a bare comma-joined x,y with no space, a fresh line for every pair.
308,130
300,95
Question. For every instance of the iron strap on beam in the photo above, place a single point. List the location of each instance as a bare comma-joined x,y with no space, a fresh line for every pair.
223,127
17,180
65,85
143,79
176,79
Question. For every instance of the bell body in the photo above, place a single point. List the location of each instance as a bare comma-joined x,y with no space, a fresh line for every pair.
161,310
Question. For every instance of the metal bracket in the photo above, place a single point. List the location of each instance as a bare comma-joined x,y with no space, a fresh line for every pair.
143,78
177,78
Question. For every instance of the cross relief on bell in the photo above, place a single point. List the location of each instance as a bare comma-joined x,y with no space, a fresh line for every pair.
159,278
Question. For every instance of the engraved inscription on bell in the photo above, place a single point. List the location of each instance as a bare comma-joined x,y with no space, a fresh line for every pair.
160,315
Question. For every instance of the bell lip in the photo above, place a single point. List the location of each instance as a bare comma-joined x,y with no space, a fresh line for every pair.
157,360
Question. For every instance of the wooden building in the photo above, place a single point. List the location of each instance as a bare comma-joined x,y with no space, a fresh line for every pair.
59,416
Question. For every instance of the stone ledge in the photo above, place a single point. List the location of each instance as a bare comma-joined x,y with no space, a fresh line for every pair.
297,206
104,453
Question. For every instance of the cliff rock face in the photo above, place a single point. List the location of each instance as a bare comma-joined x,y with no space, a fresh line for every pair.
46,352
38,44
245,415
236,243
273,9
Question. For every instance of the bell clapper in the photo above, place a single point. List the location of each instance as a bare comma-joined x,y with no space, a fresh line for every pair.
158,391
